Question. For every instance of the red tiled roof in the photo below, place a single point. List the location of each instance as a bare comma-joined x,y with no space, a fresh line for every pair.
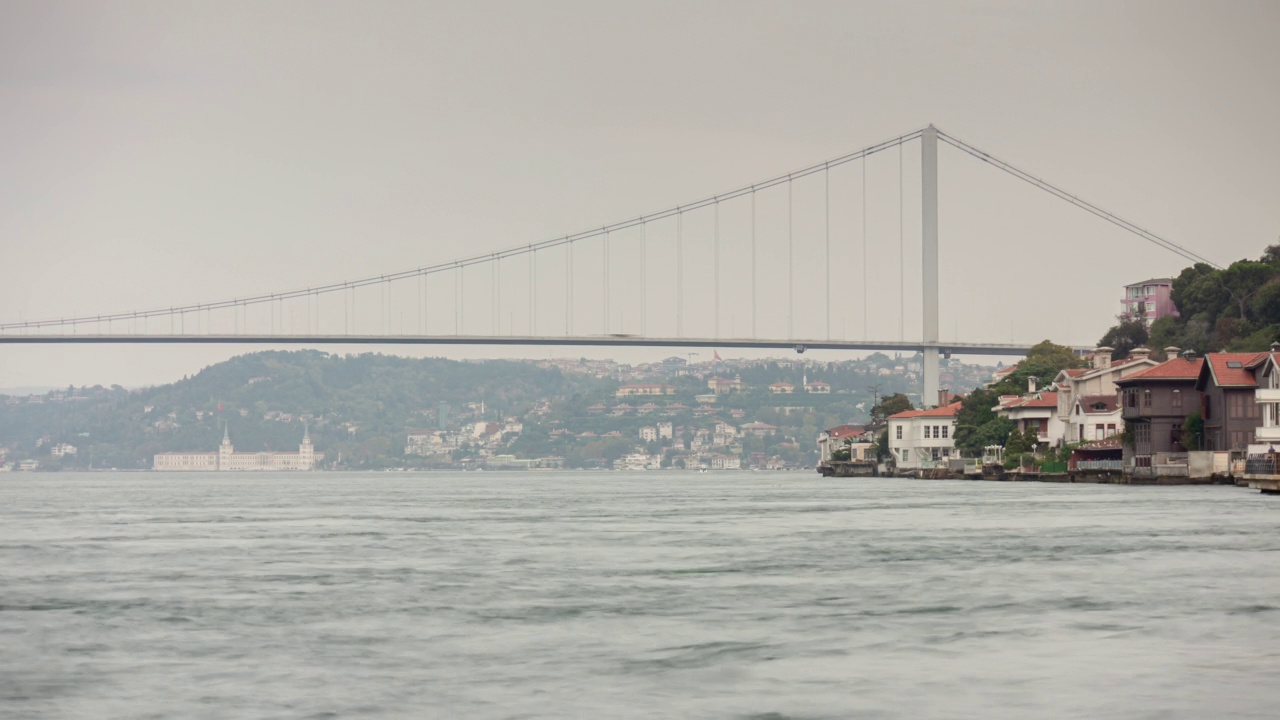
1021,402
1088,401
1075,372
1175,369
945,411
846,431
1039,400
1240,376
1004,371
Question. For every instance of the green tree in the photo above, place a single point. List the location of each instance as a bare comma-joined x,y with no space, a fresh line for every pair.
1192,431
978,425
1058,357
891,405
1128,333
1015,448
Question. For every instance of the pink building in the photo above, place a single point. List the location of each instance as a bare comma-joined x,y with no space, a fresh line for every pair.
1149,299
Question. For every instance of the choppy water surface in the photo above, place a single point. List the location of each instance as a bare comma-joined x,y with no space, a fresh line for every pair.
748,595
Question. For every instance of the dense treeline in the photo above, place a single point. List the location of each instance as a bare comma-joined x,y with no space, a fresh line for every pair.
358,405
1236,309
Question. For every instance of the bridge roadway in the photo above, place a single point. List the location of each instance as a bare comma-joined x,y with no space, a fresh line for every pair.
946,349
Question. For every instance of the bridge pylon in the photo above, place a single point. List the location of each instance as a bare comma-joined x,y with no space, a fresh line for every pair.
929,261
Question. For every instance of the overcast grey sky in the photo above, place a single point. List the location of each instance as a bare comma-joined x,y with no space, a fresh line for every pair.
160,153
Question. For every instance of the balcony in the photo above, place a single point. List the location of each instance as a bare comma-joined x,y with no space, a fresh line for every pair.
1267,434
1267,395
1260,466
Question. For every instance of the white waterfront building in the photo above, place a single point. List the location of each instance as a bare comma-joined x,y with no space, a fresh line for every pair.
919,438
226,459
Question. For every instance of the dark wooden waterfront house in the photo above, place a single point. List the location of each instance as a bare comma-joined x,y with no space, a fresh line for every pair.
1155,404
1228,385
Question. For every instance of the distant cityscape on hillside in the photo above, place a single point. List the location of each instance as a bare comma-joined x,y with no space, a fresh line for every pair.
374,411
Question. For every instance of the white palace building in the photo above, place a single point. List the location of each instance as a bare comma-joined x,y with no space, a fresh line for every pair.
226,459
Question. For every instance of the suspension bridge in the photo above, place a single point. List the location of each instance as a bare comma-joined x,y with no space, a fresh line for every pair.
632,283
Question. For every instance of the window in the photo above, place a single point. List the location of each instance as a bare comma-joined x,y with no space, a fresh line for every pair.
1177,398
906,455
1111,430
1099,432
944,432
898,434
1146,397
1142,433
1130,398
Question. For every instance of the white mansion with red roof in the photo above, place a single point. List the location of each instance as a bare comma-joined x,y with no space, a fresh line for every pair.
918,438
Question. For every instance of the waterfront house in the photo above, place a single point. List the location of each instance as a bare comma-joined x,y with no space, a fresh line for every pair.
817,387
1096,380
1095,417
1267,396
919,438
1228,385
1035,414
1155,403
1261,469
854,436
782,388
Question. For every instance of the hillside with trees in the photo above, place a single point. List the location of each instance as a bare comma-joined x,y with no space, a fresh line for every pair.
359,410
1235,309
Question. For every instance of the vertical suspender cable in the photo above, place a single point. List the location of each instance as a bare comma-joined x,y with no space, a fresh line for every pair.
753,263
644,279
864,247
497,295
716,283
679,273
791,274
826,205
902,262
569,294
461,290
606,280
533,296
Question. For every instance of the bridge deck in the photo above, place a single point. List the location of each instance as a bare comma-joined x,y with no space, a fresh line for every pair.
586,341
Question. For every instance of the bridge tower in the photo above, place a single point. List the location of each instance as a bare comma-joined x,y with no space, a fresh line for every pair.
929,261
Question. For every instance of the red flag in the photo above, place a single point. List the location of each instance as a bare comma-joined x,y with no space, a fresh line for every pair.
717,354
219,407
